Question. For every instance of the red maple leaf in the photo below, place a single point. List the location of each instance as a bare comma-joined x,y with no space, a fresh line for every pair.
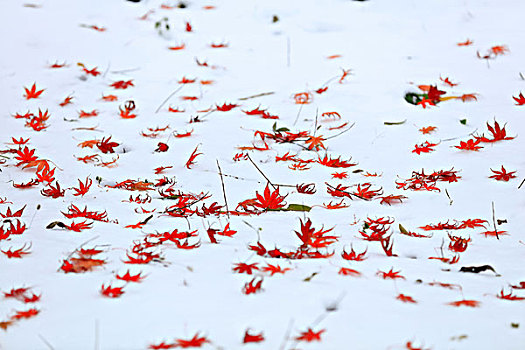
245,268
508,296
32,93
17,253
365,192
468,42
252,338
353,256
66,101
312,238
498,133
10,214
269,200
472,223
105,146
391,199
121,84
464,302
406,299
470,145
390,274
14,230
345,271
162,346
341,175
131,278
77,227
109,98
502,175
427,129
434,94
226,107
273,269
310,335
177,47
448,82
520,100
111,292
25,314
83,187
46,175
84,114
425,147
191,160
252,286
53,192
195,342
25,156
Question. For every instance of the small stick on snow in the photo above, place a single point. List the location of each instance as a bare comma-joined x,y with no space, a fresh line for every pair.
521,184
494,221
256,167
316,115
97,338
46,342
223,190
298,114
286,335
346,192
168,98
341,133
258,95
288,50
448,195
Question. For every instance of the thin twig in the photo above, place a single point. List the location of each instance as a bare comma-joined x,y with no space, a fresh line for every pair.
287,334
341,133
258,95
107,70
288,51
80,246
167,99
521,184
494,220
223,190
97,337
125,70
33,218
245,179
316,115
448,195
46,342
348,193
256,167
298,114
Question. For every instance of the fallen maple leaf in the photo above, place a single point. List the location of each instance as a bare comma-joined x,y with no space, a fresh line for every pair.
191,161
252,338
502,175
111,292
520,100
310,335
32,93
195,342
406,299
464,302
83,187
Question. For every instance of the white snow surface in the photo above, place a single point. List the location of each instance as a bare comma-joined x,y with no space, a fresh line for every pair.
390,47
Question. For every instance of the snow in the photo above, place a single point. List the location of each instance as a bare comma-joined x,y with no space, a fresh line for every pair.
390,47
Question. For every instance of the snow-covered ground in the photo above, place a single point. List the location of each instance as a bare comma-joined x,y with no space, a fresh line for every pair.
331,77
